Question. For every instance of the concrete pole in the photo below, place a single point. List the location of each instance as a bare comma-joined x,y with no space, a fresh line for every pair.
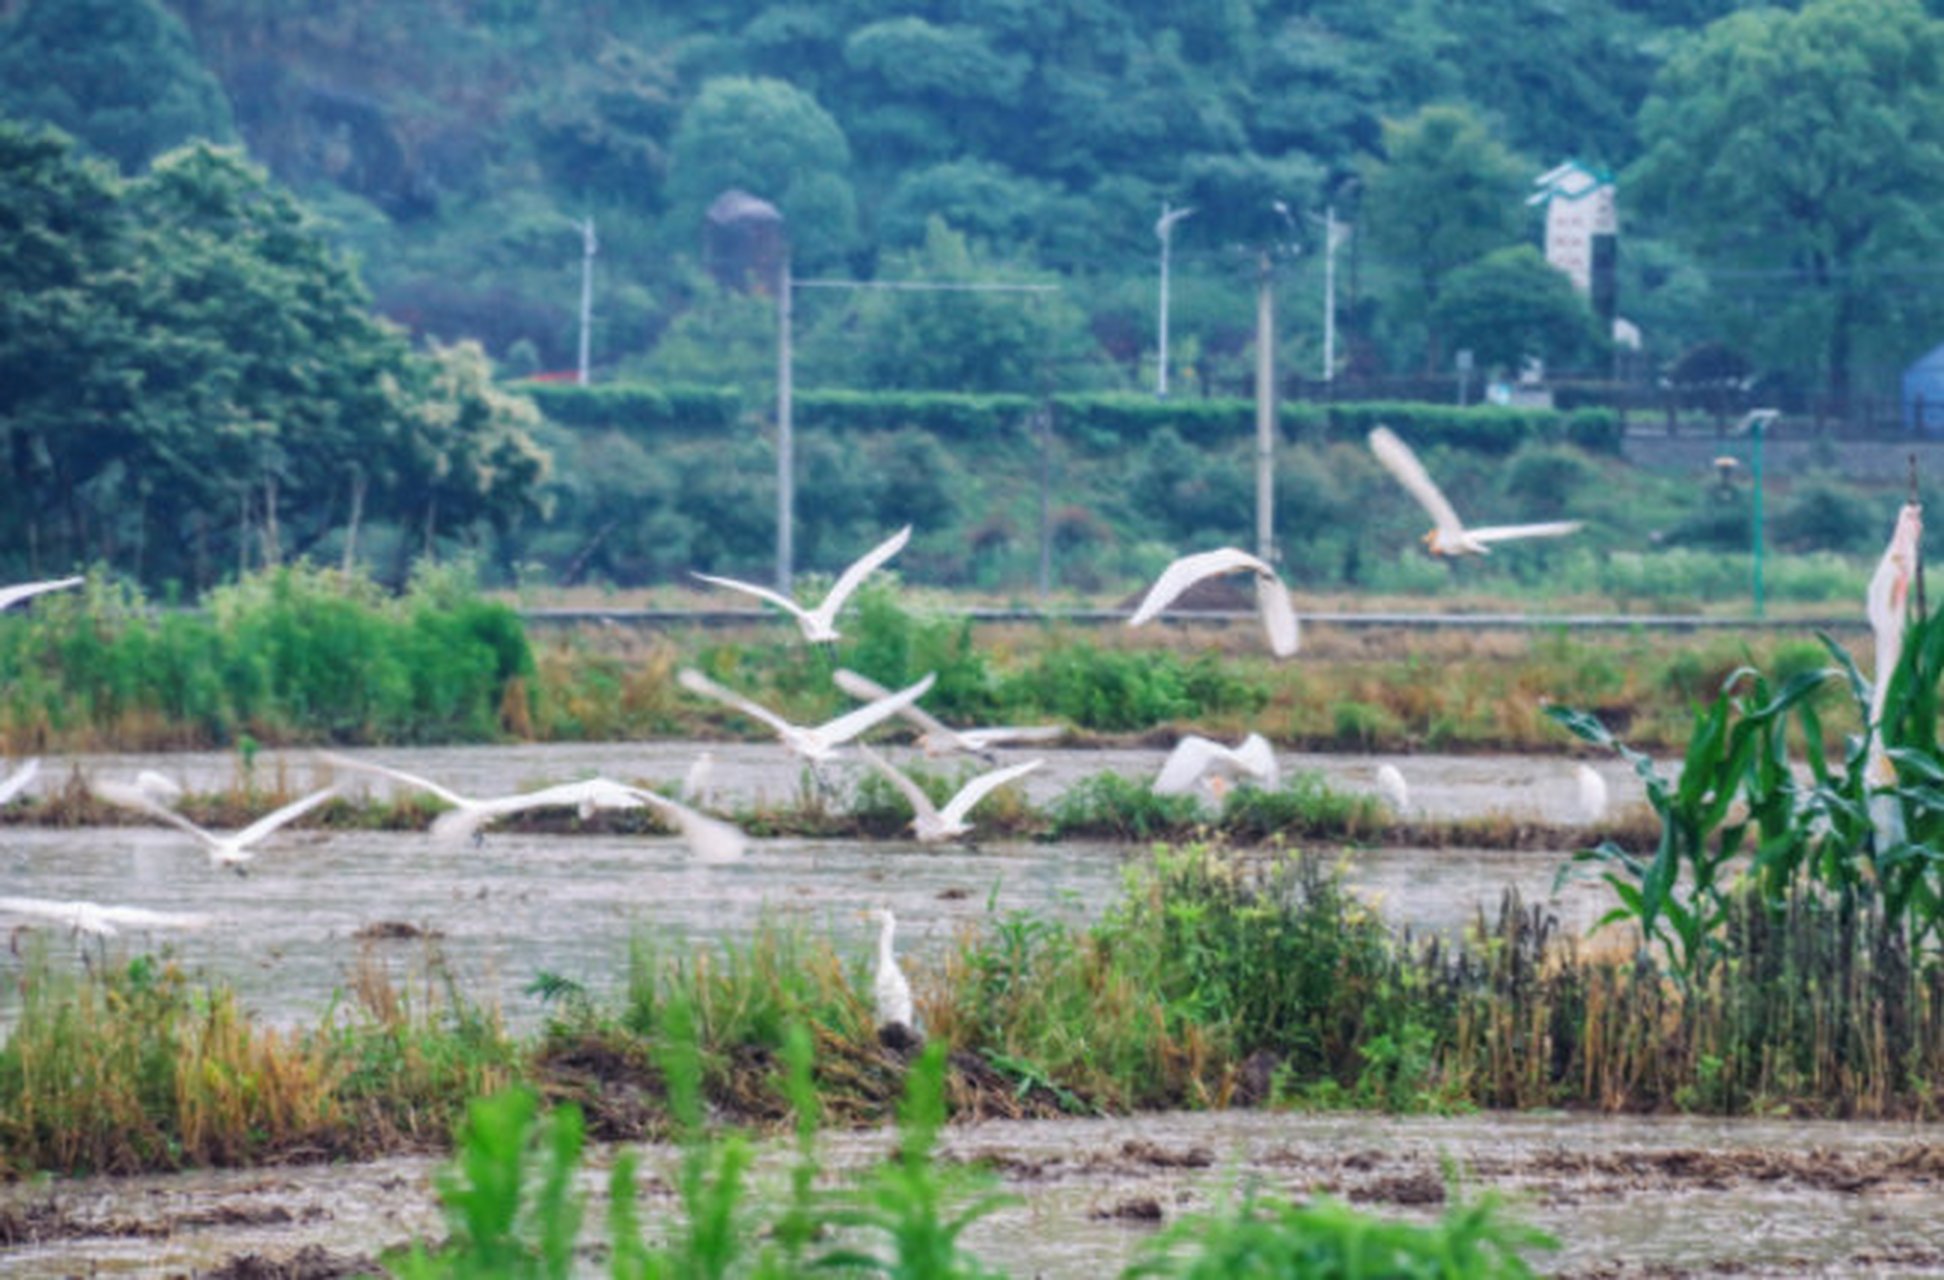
785,443
1265,395
1329,294
588,248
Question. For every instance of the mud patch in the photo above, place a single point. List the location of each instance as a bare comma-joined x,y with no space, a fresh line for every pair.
313,1262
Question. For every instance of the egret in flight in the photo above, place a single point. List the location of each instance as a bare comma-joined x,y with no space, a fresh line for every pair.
1272,598
16,782
11,596
96,920
1195,758
1888,605
469,816
817,743
1449,536
709,839
820,624
231,849
938,738
933,823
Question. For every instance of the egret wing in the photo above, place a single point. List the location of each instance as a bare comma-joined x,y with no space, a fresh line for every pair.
921,804
1278,615
1545,529
860,569
10,596
695,682
710,839
1404,465
128,797
1188,761
278,817
397,775
1257,758
863,687
776,598
980,739
143,918
1186,572
852,723
17,781
981,787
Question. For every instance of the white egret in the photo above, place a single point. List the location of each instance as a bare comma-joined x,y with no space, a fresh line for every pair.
1592,793
1195,758
469,814
1888,605
820,624
817,743
1392,787
709,839
938,738
1449,536
99,921
11,596
231,849
890,990
933,823
16,782
1272,598
695,783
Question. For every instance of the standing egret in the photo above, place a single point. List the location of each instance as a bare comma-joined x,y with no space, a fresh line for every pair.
820,624
938,738
1272,598
1449,536
469,815
695,783
933,823
1888,605
818,743
11,596
1392,787
1195,757
230,849
1592,793
890,991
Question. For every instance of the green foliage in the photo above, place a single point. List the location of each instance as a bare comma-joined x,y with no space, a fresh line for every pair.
1120,689
1511,305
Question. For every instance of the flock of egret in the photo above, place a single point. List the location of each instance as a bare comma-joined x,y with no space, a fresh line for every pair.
1196,762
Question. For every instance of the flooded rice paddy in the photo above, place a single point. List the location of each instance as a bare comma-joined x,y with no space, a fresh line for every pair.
1626,1196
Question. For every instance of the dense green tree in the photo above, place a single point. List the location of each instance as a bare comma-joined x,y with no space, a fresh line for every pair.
1512,304
121,75
1805,148
1445,194
775,142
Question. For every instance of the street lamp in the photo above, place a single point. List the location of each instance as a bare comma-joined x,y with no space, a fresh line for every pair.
1755,423
1163,228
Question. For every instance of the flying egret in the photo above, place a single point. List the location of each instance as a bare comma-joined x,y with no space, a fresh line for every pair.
820,624
1592,793
709,839
11,596
817,743
938,738
890,990
1888,605
230,849
1450,537
469,814
1392,787
1272,598
1195,757
933,823
96,920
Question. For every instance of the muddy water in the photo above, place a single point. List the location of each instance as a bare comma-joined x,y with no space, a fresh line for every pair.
1625,1196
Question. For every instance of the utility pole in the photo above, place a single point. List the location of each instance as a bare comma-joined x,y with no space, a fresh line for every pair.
1265,397
1164,229
1334,234
785,444
588,249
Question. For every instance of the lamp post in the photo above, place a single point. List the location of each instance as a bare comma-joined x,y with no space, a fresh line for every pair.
1334,234
1757,423
1164,229
785,442
588,248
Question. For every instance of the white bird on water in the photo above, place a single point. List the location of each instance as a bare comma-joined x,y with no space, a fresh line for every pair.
1195,757
1395,791
469,815
817,743
1592,792
933,823
11,596
820,624
1449,536
231,849
890,990
1888,606
99,921
938,738
1272,598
